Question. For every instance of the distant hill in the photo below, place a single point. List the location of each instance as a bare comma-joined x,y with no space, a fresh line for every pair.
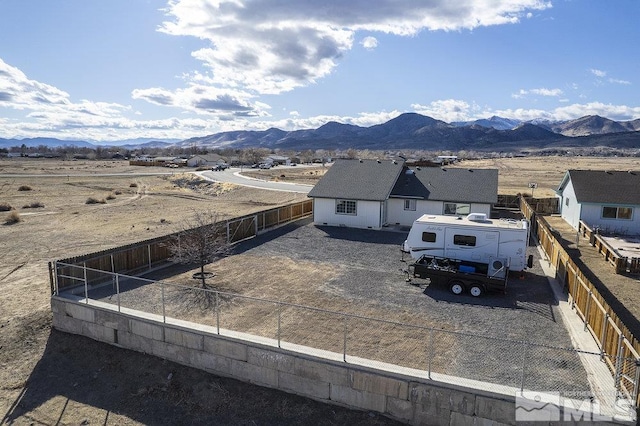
407,131
56,143
48,142
594,125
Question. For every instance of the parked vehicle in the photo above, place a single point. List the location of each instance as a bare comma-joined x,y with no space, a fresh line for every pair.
473,238
462,276
219,167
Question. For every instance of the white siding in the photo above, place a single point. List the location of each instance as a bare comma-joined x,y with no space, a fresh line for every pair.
592,216
398,215
570,213
368,214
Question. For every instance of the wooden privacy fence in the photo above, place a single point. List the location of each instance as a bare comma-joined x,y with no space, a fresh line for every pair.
144,255
620,263
617,344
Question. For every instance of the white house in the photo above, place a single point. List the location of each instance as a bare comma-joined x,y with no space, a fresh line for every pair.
375,193
441,191
608,200
205,160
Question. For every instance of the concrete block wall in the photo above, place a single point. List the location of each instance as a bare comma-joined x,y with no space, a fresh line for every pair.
408,399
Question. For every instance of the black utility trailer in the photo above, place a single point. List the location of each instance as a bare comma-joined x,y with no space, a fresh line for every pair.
461,276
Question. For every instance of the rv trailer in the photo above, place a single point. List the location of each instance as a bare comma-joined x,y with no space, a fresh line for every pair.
473,238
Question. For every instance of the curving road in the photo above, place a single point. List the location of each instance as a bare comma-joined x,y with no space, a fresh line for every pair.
232,175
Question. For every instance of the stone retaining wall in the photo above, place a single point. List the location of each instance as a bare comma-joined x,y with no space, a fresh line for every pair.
326,378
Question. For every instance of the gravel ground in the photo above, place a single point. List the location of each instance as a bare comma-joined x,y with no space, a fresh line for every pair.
367,279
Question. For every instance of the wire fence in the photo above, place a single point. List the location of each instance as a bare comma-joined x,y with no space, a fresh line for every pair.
496,362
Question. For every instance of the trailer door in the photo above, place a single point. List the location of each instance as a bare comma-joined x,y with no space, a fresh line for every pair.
471,244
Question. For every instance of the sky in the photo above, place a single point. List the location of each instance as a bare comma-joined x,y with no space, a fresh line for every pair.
113,70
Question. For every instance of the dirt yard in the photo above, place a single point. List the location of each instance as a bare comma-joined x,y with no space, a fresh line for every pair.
47,377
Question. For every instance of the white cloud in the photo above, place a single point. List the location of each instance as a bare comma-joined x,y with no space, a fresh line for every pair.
369,43
617,81
522,93
448,110
204,99
270,46
598,73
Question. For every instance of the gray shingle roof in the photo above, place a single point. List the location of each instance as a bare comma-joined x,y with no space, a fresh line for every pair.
597,186
449,184
370,180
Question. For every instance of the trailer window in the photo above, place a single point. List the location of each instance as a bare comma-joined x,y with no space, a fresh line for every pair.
464,240
346,207
429,237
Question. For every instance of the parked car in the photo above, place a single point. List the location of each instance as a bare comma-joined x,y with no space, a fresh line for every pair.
265,166
219,167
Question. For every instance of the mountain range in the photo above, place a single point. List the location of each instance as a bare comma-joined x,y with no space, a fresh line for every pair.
408,131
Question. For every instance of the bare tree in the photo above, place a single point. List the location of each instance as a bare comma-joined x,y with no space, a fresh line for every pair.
202,241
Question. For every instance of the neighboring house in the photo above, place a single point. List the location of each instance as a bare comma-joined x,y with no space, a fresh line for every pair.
609,200
165,160
277,160
205,160
374,193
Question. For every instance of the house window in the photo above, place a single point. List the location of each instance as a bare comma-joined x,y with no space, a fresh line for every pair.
566,202
464,240
457,209
429,237
346,207
617,212
410,205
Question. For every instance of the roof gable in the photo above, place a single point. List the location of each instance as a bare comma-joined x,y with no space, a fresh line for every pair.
448,184
600,187
370,180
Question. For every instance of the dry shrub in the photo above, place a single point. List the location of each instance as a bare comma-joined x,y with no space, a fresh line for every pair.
117,192
92,200
24,188
13,217
111,197
4,207
133,185
34,205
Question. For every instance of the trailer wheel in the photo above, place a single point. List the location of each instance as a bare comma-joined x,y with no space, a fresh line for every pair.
476,290
456,287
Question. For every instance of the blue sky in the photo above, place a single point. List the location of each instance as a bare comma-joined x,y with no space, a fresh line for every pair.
108,70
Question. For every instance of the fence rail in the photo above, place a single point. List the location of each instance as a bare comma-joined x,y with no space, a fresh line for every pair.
620,263
613,338
496,361
144,255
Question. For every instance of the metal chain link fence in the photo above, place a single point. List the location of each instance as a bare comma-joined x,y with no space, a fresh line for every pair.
495,361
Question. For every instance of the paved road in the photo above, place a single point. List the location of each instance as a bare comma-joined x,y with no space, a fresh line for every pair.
232,175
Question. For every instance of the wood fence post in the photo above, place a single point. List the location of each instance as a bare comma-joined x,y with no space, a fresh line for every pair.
618,373
603,335
586,313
